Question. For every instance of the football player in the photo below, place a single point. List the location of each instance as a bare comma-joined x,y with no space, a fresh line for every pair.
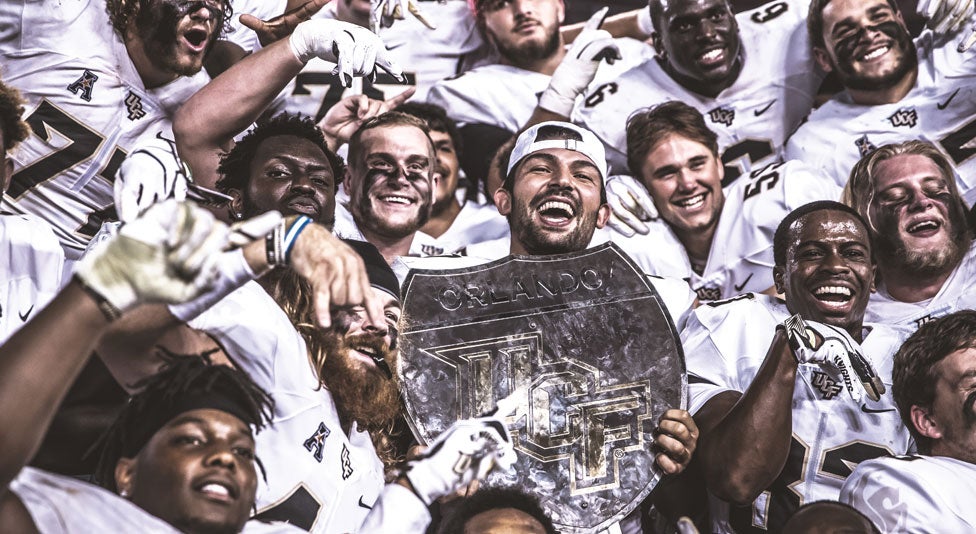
785,392
87,105
933,386
720,241
31,268
452,226
918,224
896,89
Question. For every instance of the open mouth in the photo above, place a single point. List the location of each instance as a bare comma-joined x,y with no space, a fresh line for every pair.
874,53
925,228
196,39
557,212
691,203
834,295
396,200
712,57
217,491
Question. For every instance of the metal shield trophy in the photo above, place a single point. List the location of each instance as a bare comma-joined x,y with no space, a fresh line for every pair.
590,343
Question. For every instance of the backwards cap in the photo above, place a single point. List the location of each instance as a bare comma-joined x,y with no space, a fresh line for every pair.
588,145
380,274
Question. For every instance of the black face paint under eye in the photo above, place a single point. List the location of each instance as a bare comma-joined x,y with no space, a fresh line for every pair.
846,45
216,13
968,410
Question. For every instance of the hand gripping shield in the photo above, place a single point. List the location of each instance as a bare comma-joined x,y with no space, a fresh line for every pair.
587,346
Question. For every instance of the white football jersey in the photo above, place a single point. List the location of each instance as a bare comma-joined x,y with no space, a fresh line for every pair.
66,505
741,255
958,292
940,108
919,494
428,56
319,478
726,342
31,269
475,223
86,105
752,117
478,97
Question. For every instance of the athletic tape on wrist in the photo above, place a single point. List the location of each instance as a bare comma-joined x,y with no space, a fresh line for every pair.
232,272
291,235
109,310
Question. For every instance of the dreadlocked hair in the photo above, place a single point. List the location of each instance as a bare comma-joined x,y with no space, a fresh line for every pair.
180,375
295,297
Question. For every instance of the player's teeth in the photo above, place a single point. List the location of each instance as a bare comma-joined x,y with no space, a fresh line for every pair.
215,488
712,54
693,202
397,200
919,226
834,290
556,205
876,53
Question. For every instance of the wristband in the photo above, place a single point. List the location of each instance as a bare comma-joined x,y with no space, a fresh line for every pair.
288,242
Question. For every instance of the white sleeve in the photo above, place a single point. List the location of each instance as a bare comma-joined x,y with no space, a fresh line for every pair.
677,296
892,498
708,371
396,510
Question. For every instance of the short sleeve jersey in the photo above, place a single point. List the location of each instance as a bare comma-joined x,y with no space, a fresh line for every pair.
741,256
725,344
752,117
475,223
86,105
940,108
31,266
930,494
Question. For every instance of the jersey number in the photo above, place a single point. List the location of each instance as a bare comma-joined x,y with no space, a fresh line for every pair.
783,499
337,90
766,179
960,145
771,12
740,157
83,143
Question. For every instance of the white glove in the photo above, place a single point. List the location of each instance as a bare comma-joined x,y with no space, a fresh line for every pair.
355,50
835,350
946,16
465,452
150,174
579,67
630,205
385,12
166,255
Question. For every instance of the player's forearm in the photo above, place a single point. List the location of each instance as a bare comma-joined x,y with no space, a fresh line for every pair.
129,347
227,105
745,451
621,25
37,366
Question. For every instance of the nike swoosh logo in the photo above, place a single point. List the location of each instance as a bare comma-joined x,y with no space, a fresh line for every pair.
738,287
364,505
865,409
759,112
25,315
943,105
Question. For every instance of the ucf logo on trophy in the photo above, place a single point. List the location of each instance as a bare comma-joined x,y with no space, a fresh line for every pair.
587,339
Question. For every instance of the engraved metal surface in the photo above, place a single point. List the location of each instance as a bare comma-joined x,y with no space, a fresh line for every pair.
588,337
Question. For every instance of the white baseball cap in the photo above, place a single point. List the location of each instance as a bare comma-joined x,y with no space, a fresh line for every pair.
588,145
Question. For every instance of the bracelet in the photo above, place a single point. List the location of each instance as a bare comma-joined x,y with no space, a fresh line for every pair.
109,310
292,235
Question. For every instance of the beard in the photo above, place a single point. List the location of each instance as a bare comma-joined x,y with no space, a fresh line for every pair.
892,250
536,241
158,25
250,208
844,64
531,51
361,393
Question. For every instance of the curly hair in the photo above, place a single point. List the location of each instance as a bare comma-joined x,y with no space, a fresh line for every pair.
121,12
182,375
13,127
235,165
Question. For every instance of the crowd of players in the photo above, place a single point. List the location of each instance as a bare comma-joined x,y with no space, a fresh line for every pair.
203,266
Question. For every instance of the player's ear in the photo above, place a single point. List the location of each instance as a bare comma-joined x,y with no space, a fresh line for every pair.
822,58
503,201
874,277
125,471
778,279
658,44
924,423
561,10
236,204
603,215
